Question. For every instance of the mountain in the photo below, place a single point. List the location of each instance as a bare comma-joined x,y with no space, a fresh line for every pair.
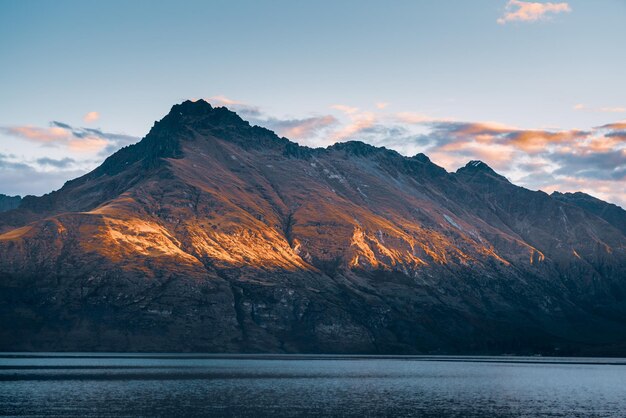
213,235
611,213
9,202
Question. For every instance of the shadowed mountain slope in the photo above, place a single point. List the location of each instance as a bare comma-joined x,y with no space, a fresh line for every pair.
9,202
214,235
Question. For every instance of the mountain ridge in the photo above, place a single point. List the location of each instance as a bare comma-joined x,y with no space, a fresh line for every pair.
214,235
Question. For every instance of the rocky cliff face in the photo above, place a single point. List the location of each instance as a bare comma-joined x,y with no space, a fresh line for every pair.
214,235
9,202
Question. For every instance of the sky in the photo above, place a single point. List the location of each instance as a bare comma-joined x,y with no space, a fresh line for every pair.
534,89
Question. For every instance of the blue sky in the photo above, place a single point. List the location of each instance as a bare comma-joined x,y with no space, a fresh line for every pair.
524,86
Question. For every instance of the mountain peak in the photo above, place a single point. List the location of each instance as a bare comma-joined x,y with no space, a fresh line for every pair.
201,113
360,148
610,212
421,157
476,167
191,107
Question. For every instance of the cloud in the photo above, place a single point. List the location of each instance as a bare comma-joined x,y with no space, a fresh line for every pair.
606,109
60,125
382,105
61,163
525,11
42,135
244,110
614,126
60,134
617,135
348,110
91,117
22,178
301,128
417,118
6,163
534,141
223,100
359,122
613,109
607,165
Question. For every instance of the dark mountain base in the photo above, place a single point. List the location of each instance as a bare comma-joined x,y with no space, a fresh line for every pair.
371,316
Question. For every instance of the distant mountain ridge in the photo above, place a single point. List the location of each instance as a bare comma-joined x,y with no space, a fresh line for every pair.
610,212
214,235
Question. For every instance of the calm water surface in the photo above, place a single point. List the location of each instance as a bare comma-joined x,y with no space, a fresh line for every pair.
107,385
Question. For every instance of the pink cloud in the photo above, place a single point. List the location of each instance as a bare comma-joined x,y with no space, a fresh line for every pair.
498,155
533,141
418,118
606,109
303,128
89,144
348,110
41,135
525,11
223,101
91,117
621,125
357,121
73,138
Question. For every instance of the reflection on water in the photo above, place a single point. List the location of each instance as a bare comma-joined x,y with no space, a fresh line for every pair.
188,385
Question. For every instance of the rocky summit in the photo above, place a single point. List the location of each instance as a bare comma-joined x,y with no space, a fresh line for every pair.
212,235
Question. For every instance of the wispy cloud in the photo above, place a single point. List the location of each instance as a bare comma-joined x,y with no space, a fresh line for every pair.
526,11
60,134
605,109
614,126
53,134
348,110
58,163
417,118
613,109
243,109
301,128
358,122
24,177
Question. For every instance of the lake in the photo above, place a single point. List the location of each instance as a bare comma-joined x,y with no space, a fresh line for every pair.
116,385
